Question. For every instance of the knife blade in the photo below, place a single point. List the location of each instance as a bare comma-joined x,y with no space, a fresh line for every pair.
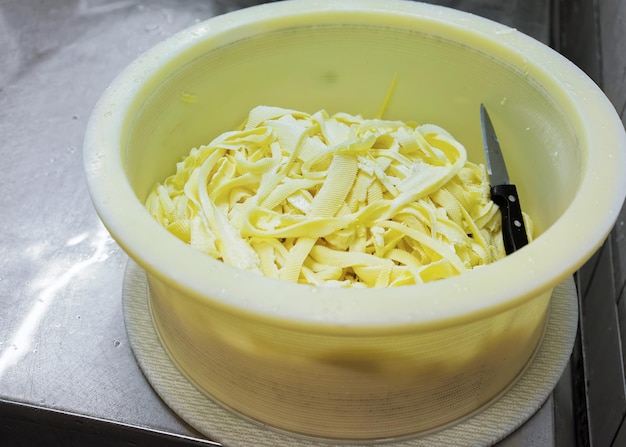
503,193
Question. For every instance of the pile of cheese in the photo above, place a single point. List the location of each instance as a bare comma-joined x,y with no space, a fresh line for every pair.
333,200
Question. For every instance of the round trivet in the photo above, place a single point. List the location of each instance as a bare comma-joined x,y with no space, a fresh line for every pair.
484,428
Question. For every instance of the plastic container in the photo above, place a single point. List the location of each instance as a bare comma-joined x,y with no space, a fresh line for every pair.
345,363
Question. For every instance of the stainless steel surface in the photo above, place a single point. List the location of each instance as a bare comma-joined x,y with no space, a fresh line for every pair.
64,355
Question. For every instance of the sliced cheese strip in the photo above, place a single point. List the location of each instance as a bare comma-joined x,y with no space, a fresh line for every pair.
334,200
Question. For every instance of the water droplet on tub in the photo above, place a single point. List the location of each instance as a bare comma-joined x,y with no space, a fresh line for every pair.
116,343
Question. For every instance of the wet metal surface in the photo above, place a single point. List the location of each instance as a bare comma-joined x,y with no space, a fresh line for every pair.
65,362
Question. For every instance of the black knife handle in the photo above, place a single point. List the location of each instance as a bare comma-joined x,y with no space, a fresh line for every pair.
513,229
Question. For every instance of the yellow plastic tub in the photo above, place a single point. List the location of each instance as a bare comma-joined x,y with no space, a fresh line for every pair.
356,364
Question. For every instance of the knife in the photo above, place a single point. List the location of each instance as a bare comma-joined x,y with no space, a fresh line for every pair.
503,193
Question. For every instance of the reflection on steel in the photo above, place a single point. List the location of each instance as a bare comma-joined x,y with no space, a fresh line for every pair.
48,284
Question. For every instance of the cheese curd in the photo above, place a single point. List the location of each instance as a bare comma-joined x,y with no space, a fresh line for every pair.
334,200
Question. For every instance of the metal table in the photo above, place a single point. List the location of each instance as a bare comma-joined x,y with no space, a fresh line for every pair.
67,374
